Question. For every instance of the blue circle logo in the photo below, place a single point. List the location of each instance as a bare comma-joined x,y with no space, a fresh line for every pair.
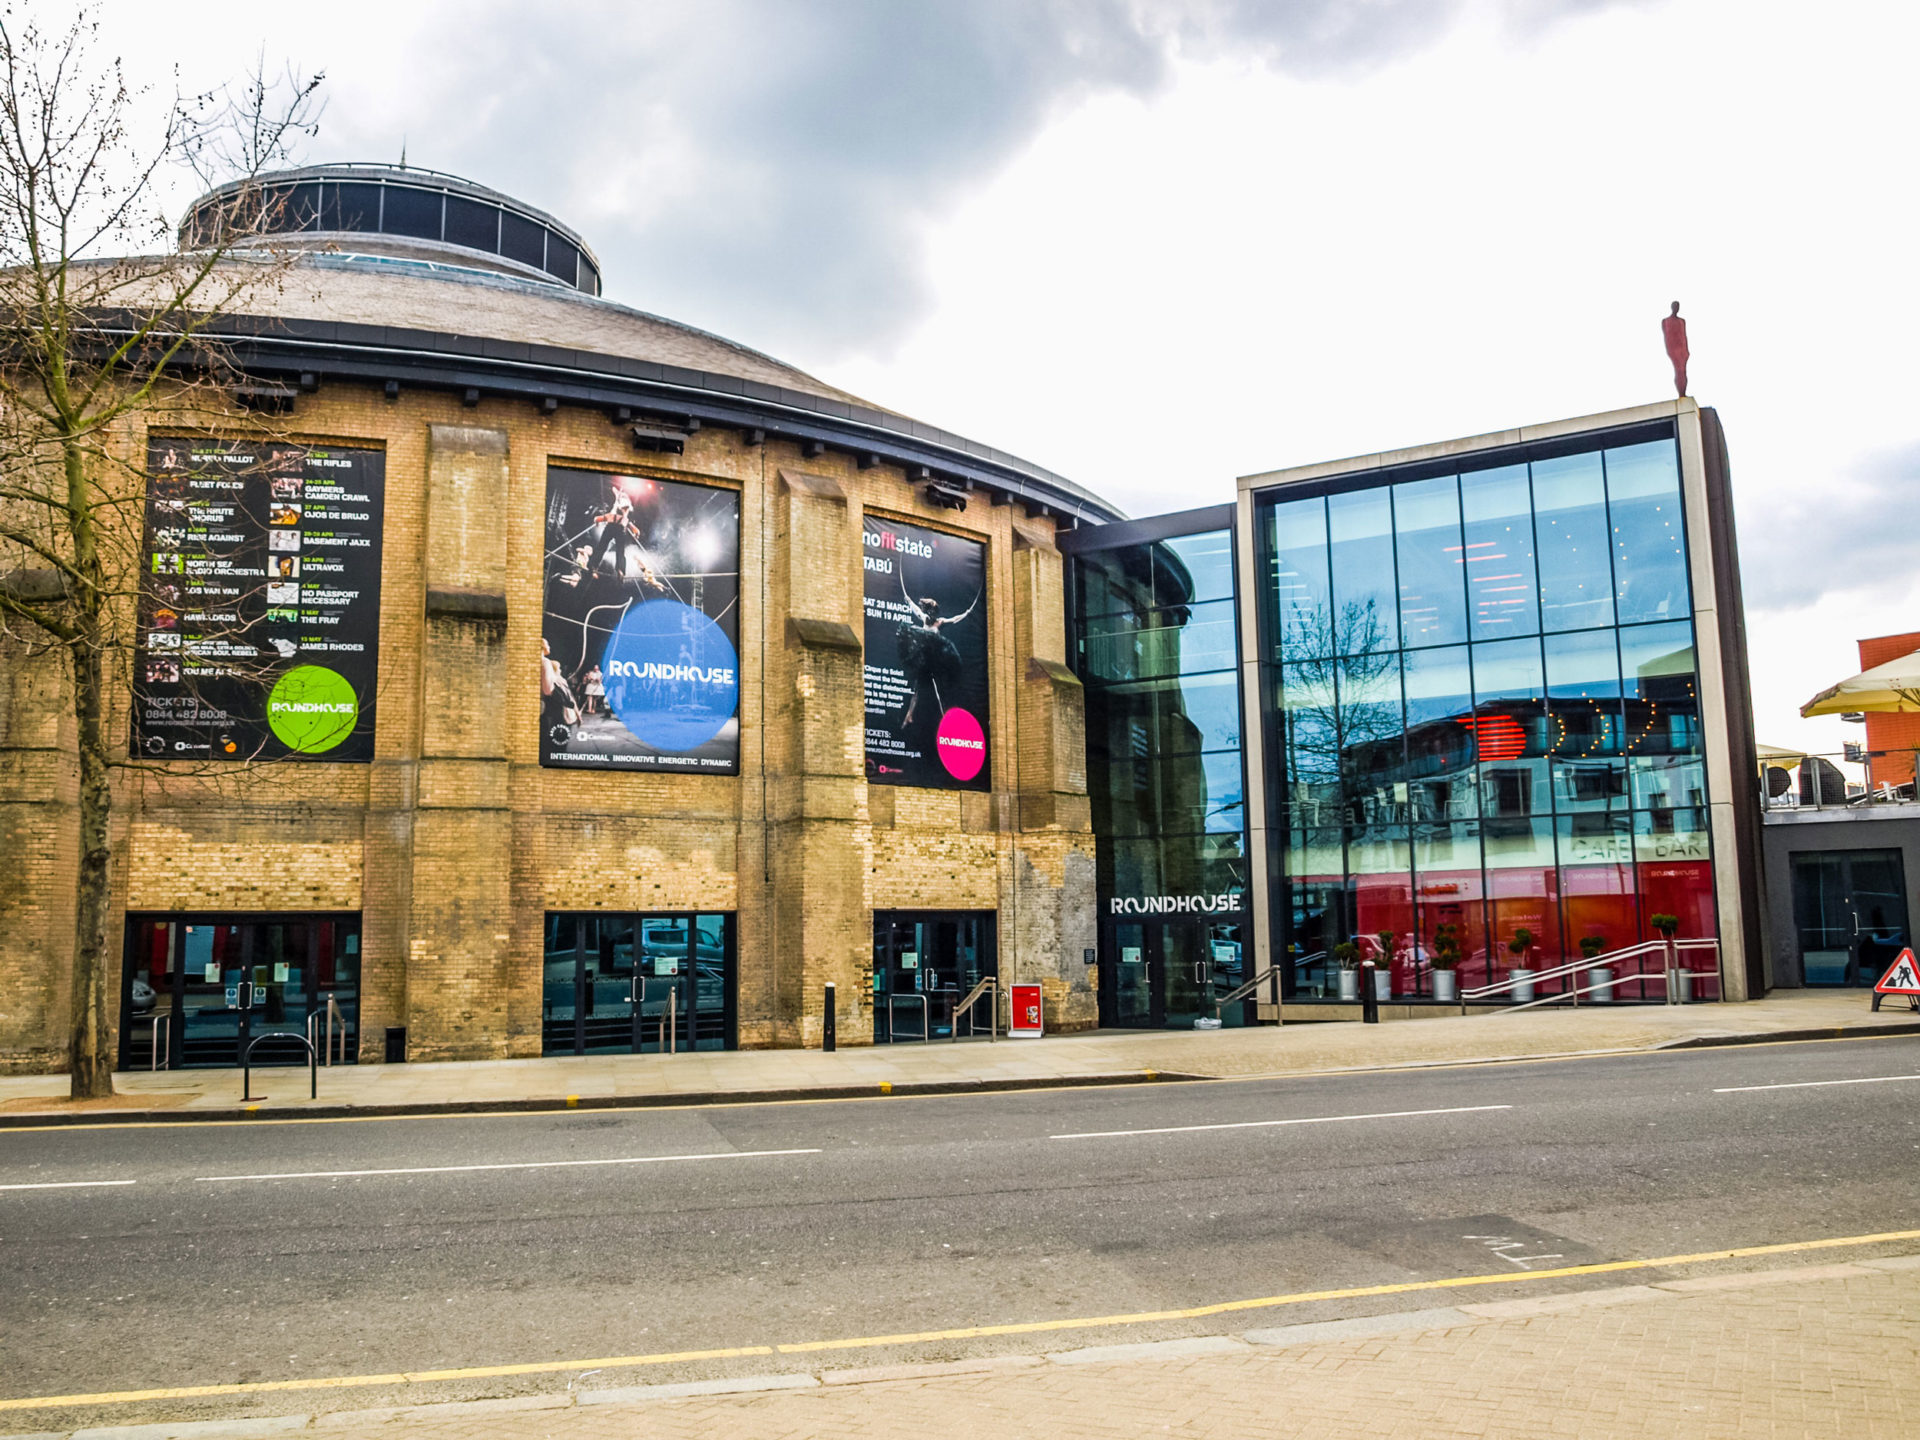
672,676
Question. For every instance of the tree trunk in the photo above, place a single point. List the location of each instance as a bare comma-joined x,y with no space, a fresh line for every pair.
90,1056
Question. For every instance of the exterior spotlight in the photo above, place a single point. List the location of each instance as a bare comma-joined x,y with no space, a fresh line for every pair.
470,397
947,497
549,404
393,390
666,442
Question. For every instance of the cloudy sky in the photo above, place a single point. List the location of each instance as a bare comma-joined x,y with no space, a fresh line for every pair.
1155,245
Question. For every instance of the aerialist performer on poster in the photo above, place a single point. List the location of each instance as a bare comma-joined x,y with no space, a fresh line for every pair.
619,534
1675,331
927,658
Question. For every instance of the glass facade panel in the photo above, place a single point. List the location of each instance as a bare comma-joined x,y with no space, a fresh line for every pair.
1529,798
1365,614
1208,562
1570,525
1497,538
1432,567
1146,644
1301,593
1649,539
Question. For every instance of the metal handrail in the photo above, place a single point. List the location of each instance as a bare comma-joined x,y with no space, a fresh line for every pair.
1243,991
162,1025
1583,963
893,1035
990,985
1662,977
332,1013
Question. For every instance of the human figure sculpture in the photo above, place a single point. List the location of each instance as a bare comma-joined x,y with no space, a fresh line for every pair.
1675,331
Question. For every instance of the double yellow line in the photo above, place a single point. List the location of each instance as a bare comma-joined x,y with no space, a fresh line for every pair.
967,1332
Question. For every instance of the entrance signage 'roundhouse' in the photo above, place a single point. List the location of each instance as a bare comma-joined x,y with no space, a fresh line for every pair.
1231,903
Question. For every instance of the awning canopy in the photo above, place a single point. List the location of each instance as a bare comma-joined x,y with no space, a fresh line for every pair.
1892,686
1779,755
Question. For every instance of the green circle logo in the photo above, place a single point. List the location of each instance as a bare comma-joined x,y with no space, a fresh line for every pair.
312,709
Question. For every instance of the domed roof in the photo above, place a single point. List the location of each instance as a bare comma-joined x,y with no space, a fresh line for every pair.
418,308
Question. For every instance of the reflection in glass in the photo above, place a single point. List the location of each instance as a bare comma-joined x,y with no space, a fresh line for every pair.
1570,521
1447,891
1360,530
1649,539
1597,885
1311,738
1442,781
1313,870
1208,562
1509,725
1433,597
1143,645
1497,535
1585,726
1301,592
1662,702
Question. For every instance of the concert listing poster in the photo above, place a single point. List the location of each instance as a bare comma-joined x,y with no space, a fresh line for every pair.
925,609
259,602
640,639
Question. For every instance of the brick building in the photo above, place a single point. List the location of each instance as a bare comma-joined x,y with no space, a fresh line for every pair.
469,872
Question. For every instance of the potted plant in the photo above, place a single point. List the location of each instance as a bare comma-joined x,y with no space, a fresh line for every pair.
1599,977
1679,980
1347,955
1520,976
1446,962
1383,970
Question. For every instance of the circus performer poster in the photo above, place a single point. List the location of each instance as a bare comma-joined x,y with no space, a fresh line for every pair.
639,663
926,657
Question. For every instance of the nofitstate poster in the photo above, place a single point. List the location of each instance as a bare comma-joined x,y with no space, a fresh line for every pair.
926,657
259,607
639,665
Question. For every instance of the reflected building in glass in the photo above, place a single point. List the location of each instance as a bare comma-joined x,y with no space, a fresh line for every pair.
1501,688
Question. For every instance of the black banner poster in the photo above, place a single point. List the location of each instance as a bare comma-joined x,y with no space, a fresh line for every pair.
259,621
640,642
926,652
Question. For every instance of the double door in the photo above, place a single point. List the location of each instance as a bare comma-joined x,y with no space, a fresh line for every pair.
1850,909
196,988
638,984
925,962
1166,974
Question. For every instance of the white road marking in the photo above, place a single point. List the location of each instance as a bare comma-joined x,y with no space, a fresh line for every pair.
1264,1124
66,1185
518,1165
1813,1084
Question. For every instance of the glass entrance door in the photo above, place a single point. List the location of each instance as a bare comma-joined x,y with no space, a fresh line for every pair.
638,984
194,985
1165,974
925,962
1850,909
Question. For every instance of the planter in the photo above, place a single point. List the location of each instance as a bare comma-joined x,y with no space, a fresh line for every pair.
1522,981
1446,987
1599,985
1679,987
1350,986
1383,984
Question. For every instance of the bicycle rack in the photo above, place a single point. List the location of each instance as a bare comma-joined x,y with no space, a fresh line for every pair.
313,1062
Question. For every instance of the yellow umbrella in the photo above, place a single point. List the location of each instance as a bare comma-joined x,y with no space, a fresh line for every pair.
1892,686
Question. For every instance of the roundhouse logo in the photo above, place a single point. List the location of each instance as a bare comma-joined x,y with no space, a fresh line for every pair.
1225,904
672,676
961,744
311,709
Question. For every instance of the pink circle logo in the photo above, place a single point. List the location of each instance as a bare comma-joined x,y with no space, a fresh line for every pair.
960,744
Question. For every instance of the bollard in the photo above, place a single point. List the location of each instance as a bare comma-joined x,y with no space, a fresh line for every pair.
826,1029
1369,998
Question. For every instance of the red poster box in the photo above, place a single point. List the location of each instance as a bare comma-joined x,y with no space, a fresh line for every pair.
1026,1020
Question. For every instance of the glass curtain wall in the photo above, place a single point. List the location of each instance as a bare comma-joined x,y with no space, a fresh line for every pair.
1482,713
1156,647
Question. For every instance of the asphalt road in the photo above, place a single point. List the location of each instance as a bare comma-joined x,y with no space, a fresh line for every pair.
176,1255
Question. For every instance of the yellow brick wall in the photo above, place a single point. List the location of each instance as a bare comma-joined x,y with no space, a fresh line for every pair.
454,843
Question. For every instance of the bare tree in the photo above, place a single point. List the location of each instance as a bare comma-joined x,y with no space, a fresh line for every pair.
103,322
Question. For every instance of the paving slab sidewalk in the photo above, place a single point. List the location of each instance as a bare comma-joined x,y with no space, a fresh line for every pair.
1105,1057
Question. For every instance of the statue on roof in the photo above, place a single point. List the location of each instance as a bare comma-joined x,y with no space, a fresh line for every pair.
1675,331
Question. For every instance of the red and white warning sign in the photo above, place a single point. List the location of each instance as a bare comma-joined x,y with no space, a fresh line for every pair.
1902,977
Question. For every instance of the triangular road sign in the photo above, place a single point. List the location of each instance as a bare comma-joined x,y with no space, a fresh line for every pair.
1902,977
